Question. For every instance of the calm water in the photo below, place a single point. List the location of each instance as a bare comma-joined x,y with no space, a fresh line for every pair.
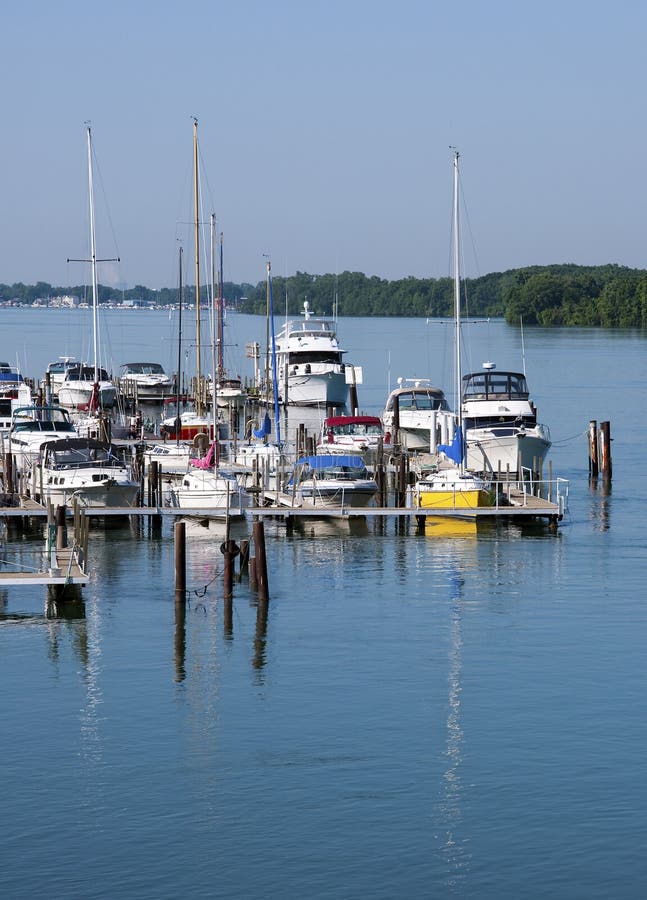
454,715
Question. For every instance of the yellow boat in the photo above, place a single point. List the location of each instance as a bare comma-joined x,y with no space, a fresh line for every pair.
452,488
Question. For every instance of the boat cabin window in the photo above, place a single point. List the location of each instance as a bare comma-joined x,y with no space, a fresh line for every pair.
314,356
422,400
495,386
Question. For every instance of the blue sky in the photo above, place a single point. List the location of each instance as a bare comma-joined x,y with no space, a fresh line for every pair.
324,131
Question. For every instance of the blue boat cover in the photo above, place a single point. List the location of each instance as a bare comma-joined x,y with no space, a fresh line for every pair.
326,460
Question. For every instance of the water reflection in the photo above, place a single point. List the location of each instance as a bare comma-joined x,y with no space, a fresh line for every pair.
453,848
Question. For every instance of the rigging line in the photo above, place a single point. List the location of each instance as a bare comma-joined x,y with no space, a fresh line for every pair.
106,206
573,437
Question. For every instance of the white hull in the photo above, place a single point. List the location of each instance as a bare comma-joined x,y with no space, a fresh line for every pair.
75,395
330,495
488,451
326,388
216,494
106,495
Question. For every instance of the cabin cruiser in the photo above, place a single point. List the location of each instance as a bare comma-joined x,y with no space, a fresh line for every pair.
361,435
83,387
10,380
420,415
55,373
146,381
332,481
309,362
500,423
93,473
31,427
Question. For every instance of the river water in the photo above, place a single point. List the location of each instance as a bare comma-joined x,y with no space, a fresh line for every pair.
418,716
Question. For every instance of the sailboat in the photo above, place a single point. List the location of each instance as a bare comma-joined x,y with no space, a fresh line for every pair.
205,486
189,423
451,486
223,388
86,387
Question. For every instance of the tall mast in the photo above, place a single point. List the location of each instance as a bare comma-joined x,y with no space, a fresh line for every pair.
457,291
214,329
196,222
93,260
178,388
221,315
457,311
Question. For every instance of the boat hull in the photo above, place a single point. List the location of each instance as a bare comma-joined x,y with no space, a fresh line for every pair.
78,396
106,495
324,388
506,451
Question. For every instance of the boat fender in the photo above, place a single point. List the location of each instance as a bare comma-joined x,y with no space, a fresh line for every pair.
230,547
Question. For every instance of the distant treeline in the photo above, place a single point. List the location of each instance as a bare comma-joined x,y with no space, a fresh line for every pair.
563,295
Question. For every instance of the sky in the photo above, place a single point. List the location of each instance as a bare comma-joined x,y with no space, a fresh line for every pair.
324,134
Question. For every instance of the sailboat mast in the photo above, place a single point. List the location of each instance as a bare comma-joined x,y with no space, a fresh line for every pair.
93,261
457,291
196,222
214,327
178,387
221,314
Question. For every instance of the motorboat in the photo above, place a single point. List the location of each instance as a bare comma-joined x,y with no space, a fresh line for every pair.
31,427
8,406
55,373
10,380
189,424
361,435
417,415
85,387
332,481
309,362
93,473
502,434
145,381
229,392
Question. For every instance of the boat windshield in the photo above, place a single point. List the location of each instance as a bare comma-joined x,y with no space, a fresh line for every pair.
494,385
421,399
83,457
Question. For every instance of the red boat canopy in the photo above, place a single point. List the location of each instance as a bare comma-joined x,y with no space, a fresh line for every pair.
352,420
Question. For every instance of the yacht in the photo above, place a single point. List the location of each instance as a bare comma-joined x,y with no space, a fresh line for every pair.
33,426
500,422
77,389
146,381
419,413
309,362
92,472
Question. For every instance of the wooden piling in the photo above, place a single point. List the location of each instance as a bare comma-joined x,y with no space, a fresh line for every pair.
243,568
180,562
593,449
61,528
261,561
605,450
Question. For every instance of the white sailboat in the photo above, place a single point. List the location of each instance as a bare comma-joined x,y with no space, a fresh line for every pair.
205,485
85,387
451,486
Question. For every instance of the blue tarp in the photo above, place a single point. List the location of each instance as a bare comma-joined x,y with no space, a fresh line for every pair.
327,460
